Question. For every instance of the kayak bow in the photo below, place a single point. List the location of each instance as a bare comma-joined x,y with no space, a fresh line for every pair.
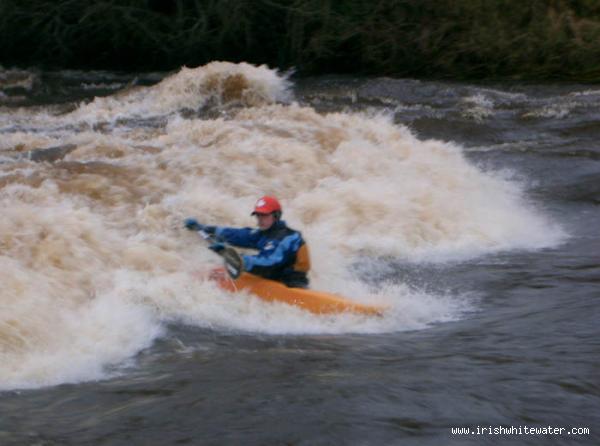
317,302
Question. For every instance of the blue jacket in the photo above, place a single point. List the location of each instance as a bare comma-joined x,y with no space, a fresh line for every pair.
283,254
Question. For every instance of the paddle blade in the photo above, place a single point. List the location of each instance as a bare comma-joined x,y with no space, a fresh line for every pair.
233,262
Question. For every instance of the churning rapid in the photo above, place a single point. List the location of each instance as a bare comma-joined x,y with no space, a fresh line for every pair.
95,265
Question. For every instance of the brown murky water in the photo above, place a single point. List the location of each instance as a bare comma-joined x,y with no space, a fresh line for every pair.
469,210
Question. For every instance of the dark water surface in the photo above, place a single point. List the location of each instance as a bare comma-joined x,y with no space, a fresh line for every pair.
528,355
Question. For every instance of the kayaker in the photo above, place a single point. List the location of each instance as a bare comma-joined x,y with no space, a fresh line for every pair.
283,253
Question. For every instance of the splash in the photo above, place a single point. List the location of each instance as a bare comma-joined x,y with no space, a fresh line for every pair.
94,262
358,184
479,107
217,84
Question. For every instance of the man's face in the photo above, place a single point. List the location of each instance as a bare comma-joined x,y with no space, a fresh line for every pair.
265,221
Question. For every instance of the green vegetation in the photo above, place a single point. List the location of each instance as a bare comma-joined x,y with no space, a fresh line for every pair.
460,39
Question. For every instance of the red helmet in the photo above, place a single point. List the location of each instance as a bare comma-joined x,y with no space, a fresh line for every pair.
267,205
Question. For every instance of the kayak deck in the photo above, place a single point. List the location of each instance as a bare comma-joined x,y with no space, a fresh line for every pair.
317,302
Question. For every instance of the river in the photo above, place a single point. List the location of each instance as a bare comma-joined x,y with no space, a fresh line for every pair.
469,210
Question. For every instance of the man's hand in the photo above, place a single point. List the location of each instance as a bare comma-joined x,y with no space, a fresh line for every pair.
217,247
193,225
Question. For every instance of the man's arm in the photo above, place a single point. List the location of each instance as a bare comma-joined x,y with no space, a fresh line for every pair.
242,237
268,262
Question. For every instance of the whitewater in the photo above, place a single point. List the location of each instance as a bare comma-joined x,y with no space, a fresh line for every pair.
96,267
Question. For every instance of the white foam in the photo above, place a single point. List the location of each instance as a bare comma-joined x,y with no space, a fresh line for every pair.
479,107
591,92
61,345
192,88
102,86
558,111
94,261
14,78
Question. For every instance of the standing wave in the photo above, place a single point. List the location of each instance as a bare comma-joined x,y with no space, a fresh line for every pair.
94,262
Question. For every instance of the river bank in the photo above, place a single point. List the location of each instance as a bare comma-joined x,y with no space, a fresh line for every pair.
464,39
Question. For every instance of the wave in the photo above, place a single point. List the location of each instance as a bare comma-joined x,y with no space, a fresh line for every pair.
94,262
217,84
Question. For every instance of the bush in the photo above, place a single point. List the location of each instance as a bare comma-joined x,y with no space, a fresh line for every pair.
461,39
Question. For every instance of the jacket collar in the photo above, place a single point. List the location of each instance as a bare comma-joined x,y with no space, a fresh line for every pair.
277,225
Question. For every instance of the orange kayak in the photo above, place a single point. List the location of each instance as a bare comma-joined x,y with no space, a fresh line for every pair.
314,301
